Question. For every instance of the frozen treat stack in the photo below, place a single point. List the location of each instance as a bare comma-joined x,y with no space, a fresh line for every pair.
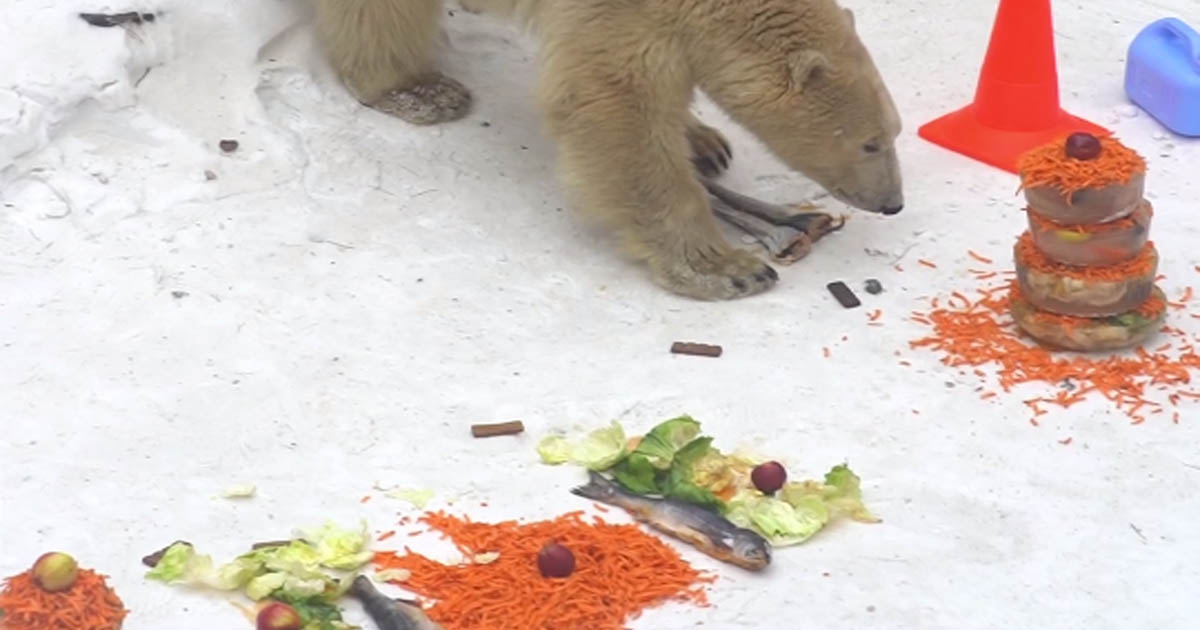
1086,269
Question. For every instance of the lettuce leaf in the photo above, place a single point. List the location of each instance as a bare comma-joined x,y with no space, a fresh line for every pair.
181,564
637,474
846,497
339,548
599,450
679,480
780,522
660,444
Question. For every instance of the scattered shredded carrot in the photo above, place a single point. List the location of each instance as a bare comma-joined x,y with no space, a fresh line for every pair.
899,268
88,605
1144,264
825,351
982,332
927,263
1049,165
981,258
875,315
365,499
1066,441
620,571
386,535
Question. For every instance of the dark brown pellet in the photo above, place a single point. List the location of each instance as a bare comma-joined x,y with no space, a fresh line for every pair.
843,294
228,146
500,428
695,349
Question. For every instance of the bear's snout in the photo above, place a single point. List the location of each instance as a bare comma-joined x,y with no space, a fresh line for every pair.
890,210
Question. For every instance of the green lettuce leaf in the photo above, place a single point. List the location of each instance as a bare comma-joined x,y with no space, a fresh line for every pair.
181,564
317,613
679,483
846,497
780,522
637,474
660,444
554,450
599,450
339,548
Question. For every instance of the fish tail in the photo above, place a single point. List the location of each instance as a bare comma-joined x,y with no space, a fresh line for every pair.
599,489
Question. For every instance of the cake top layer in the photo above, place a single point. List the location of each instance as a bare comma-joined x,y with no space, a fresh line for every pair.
1052,165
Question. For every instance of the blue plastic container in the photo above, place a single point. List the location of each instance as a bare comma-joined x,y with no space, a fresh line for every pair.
1162,75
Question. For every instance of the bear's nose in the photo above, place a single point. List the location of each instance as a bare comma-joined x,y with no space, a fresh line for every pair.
890,210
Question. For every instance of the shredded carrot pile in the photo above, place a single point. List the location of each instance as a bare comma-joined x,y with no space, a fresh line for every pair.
620,570
88,605
1049,165
1128,223
980,332
1144,264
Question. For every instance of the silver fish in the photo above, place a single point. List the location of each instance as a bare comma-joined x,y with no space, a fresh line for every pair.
388,613
707,531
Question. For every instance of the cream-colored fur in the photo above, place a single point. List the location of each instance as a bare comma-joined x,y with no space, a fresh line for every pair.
617,80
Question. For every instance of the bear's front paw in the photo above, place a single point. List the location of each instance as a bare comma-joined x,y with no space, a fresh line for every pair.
715,273
711,152
434,98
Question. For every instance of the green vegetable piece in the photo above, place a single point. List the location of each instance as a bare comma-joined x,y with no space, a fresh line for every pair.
637,474
599,450
661,443
780,522
847,495
554,450
679,480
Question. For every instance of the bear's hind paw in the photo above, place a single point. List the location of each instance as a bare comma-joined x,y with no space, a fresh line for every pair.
710,274
434,98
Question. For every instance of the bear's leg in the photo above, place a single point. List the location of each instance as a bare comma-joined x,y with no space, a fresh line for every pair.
711,152
630,166
383,51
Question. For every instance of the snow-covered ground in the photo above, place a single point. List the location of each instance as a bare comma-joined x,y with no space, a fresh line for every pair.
335,302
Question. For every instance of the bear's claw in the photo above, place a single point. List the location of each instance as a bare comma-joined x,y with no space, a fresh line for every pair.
711,152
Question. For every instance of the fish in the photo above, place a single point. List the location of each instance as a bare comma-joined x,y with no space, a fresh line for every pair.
709,532
388,613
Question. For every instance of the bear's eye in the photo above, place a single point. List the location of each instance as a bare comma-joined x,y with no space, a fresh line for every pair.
871,147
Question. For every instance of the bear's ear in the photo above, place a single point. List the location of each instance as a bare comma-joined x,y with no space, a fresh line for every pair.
850,16
806,66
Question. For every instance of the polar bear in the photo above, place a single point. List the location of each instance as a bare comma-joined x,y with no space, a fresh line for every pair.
617,82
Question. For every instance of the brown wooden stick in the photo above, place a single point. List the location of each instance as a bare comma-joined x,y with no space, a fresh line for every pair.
496,429
695,349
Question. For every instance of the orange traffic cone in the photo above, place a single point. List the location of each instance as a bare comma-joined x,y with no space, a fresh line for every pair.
1016,105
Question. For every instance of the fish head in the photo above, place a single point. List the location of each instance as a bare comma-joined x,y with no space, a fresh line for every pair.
751,550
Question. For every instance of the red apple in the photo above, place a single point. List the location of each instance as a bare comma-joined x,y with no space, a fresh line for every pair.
556,561
769,477
279,616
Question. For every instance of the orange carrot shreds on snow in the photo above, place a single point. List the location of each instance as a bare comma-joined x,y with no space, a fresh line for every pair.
982,333
979,257
927,263
620,570
1049,165
88,605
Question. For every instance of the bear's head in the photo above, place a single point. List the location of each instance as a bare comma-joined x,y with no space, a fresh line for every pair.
796,74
